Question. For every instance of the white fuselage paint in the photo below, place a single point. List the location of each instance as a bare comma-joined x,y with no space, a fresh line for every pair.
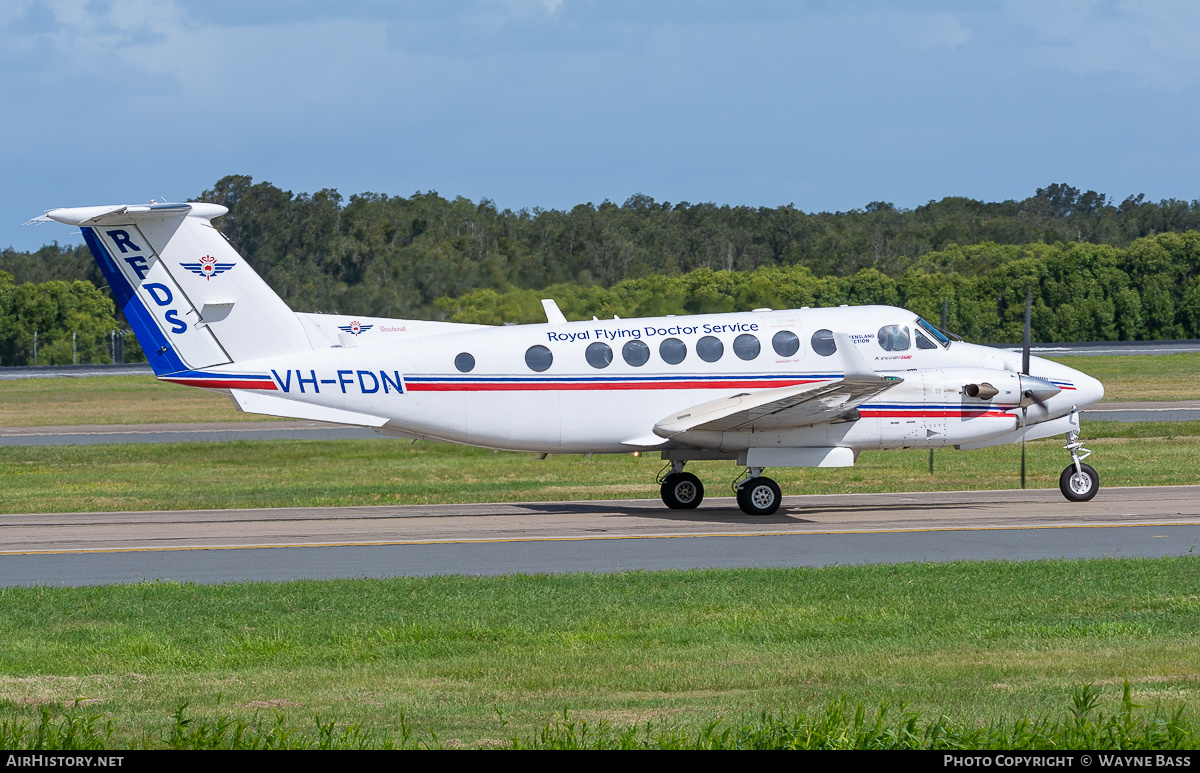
575,407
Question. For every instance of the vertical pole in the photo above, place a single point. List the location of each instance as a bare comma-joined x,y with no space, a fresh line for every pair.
112,346
74,350
35,362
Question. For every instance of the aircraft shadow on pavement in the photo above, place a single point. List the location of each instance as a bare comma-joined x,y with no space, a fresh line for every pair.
708,514
654,510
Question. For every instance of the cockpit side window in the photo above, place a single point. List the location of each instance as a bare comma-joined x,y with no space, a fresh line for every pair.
933,331
893,338
924,343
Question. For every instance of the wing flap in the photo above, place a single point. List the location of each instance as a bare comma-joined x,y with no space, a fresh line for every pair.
787,407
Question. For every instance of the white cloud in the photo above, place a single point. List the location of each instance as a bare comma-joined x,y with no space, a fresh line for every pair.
1157,43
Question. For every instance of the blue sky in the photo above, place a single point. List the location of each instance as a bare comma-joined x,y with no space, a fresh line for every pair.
551,103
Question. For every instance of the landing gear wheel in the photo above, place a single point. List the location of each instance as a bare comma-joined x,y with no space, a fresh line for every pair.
759,496
1079,486
682,491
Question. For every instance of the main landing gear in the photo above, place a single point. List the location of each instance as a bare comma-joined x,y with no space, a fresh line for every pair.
1079,482
680,490
756,495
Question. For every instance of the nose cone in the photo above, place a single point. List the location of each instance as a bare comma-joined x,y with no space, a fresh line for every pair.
1088,391
1078,388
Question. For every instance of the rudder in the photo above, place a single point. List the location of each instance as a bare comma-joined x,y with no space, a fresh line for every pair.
191,299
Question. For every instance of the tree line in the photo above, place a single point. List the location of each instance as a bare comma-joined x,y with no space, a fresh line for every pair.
59,323
1082,292
1099,269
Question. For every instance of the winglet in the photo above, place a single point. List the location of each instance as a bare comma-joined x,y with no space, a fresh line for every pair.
853,363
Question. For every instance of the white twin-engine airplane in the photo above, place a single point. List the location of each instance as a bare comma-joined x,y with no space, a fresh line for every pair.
797,388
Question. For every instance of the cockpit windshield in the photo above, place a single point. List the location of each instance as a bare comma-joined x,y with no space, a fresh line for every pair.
933,331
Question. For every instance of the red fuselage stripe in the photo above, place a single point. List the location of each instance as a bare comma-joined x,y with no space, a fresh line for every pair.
922,413
213,383
592,386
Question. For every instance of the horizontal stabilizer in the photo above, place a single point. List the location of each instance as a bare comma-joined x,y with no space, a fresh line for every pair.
255,402
131,213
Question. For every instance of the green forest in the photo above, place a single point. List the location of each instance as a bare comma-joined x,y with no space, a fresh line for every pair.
1098,269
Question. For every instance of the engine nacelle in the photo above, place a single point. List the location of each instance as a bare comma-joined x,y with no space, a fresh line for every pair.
981,386
983,391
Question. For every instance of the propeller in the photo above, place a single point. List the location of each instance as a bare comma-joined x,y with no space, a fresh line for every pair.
1034,390
1025,374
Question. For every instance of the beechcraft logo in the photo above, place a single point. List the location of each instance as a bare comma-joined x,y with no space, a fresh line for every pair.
355,328
208,267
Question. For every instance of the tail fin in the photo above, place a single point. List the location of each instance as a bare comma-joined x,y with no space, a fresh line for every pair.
191,299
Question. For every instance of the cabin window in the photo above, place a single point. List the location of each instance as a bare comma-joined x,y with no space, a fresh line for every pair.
636,353
538,358
786,343
924,343
710,348
464,362
672,351
823,343
747,347
599,355
893,338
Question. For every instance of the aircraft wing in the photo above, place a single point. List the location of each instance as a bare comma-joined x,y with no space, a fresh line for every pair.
786,407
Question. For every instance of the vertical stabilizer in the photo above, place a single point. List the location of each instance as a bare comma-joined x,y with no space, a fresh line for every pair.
191,299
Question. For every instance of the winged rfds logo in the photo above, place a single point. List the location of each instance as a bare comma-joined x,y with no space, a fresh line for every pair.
207,267
355,328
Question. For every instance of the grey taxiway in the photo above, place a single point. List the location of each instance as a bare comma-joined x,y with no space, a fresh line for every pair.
211,546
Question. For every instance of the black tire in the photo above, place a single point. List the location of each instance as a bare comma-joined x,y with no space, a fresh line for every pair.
682,491
759,496
1079,487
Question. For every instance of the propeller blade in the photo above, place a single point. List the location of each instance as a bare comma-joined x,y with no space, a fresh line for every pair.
1024,423
1028,326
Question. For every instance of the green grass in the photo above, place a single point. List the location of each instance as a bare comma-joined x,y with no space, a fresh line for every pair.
37,402
1142,377
480,661
836,726
293,473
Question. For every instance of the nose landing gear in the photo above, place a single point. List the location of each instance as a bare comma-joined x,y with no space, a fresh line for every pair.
1079,482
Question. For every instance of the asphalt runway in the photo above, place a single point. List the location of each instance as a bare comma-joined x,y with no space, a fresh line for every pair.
216,546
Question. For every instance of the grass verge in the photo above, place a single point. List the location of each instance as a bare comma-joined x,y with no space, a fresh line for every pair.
1143,376
303,473
449,661
39,402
